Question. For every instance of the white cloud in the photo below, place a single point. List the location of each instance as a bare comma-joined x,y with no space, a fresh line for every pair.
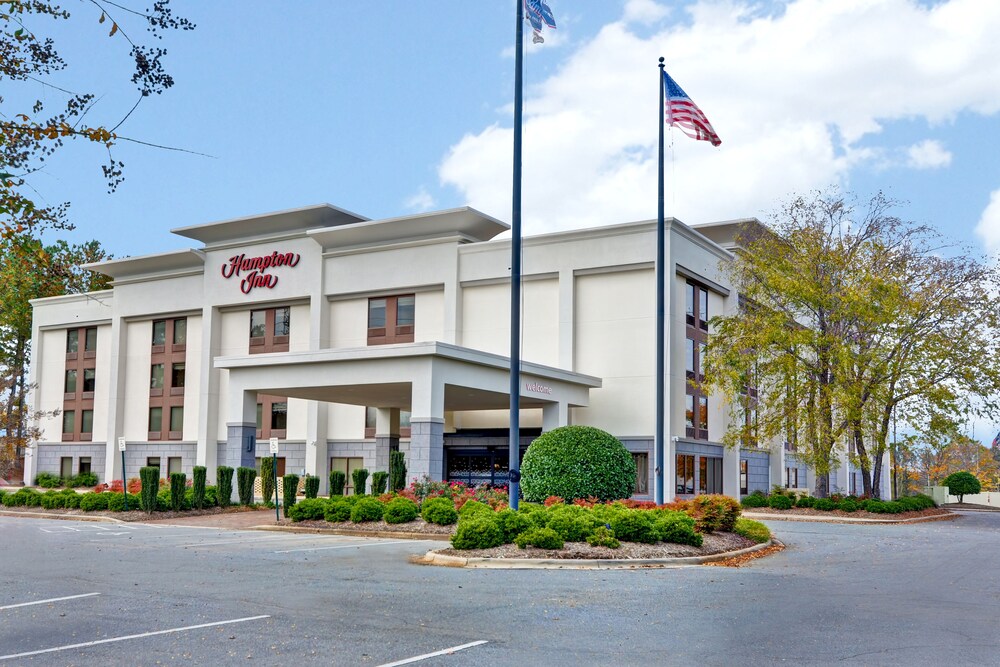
791,94
928,154
988,228
420,202
644,11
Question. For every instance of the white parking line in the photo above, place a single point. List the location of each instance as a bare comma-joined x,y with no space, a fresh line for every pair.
247,539
348,546
418,658
138,636
68,597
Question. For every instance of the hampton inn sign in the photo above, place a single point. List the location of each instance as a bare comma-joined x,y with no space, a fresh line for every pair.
257,268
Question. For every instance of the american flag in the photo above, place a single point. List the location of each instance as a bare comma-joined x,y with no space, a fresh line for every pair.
996,441
682,112
538,15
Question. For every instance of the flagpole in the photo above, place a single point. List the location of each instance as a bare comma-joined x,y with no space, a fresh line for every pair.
514,442
660,280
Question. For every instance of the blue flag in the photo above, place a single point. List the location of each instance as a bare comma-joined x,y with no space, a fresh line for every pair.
539,15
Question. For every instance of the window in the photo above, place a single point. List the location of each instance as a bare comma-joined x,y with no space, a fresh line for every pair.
80,380
173,464
744,477
270,330
86,422
155,423
347,466
272,416
180,332
153,462
703,414
689,412
159,333
177,376
279,416
89,380
641,473
72,341
167,379
71,381
370,418
281,466
90,340
66,467
156,378
791,478
69,424
696,340
391,319
282,321
176,422
709,474
689,357
685,474
84,464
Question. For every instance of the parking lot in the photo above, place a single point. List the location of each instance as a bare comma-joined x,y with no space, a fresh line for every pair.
76,593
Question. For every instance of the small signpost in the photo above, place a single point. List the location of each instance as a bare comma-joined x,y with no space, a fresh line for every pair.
274,452
121,448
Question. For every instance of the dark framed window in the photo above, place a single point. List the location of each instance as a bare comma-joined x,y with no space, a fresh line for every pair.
685,474
696,341
159,333
791,478
272,416
270,330
69,424
66,467
84,465
156,379
176,431
391,319
80,380
90,340
173,464
177,375
156,423
744,477
86,424
641,473
89,380
709,474
166,385
279,416
70,387
72,341
152,461
180,331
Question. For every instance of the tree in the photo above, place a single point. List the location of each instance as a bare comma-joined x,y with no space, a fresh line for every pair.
29,133
848,319
961,483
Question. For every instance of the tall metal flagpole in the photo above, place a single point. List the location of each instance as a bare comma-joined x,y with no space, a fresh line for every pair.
515,273
660,279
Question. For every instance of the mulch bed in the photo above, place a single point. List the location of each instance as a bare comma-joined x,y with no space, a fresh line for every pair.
749,512
134,515
418,526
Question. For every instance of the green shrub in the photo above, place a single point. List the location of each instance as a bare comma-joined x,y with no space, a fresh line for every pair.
439,510
752,530
603,537
8,499
224,482
677,528
198,488
379,481
267,485
149,478
574,524
755,499
779,502
116,501
178,484
478,532
84,479
512,524
714,512
360,479
245,477
312,486
805,501
337,482
926,501
472,508
367,509
94,502
577,462
31,498
72,500
337,511
848,505
55,501
824,505
397,471
48,480
400,510
310,509
289,490
961,484
634,526
543,538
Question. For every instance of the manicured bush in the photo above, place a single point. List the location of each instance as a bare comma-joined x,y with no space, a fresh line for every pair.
676,528
48,480
577,462
31,498
824,505
116,502
360,479
472,508
267,485
224,482
367,509
337,482
543,538
289,491
400,510
198,488
397,471
634,526
310,509
94,502
848,505
83,479
779,502
54,501
574,524
72,500
337,511
512,524
603,537
439,510
755,499
714,512
961,484
178,484
245,477
7,499
478,532
312,486
149,477
752,530
379,481
805,501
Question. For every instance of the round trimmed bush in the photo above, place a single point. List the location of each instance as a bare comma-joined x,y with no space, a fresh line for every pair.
848,505
678,528
310,509
512,524
824,505
400,510
961,484
473,508
752,530
577,462
635,526
543,538
603,537
337,511
93,502
779,502
755,499
440,511
116,502
805,501
367,509
478,532
572,526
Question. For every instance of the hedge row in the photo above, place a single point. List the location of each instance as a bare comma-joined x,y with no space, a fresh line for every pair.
93,501
913,503
48,480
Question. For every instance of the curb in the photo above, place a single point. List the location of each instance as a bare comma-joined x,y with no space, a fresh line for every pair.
842,519
398,535
434,558
65,517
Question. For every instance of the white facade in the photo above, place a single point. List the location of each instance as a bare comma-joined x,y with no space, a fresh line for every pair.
588,349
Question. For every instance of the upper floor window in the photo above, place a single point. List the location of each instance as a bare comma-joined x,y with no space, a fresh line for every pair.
174,330
73,336
391,319
80,383
270,329
272,416
696,302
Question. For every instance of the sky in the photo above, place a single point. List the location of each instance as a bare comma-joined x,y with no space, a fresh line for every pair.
389,107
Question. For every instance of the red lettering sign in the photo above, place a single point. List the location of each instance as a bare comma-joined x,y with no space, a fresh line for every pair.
256,268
